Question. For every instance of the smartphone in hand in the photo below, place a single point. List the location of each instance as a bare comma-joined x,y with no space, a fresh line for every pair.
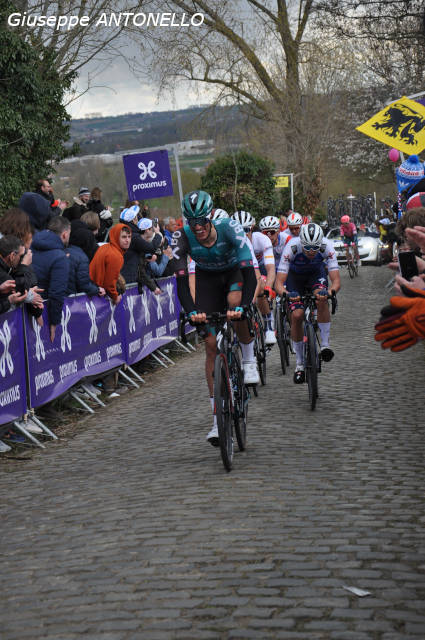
408,265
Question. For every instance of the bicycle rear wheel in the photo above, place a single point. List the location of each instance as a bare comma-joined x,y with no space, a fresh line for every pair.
259,346
241,395
311,366
223,404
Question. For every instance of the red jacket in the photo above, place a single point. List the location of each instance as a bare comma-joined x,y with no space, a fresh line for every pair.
107,263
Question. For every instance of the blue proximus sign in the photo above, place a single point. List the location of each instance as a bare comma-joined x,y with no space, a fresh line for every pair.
148,175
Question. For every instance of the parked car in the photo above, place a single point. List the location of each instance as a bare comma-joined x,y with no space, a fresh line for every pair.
370,247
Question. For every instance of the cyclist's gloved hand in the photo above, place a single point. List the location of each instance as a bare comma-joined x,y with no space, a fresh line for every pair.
322,292
270,292
403,323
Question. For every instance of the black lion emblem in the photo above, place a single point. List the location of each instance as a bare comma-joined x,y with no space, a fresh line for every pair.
400,121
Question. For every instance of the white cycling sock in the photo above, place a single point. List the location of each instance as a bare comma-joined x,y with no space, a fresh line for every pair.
299,351
271,316
248,351
325,329
212,407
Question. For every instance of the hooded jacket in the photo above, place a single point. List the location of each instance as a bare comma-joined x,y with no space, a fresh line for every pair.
51,265
81,236
37,208
107,263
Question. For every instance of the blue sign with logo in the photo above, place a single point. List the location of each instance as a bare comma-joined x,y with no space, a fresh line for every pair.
148,175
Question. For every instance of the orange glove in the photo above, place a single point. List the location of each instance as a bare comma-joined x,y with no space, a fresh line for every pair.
270,292
403,323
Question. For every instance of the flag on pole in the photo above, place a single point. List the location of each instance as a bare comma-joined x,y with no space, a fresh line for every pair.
400,125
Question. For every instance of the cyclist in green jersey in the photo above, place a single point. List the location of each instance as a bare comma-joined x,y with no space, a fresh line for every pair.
224,280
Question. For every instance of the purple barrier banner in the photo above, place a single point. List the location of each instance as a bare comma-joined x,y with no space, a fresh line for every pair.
148,175
89,341
150,321
13,395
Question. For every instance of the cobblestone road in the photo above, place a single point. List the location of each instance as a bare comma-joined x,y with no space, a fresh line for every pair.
134,530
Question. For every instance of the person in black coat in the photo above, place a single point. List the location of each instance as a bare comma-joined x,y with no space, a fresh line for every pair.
80,205
105,216
17,279
79,276
84,232
37,208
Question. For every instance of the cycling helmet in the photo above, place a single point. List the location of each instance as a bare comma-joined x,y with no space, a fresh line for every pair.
245,219
218,214
269,222
311,235
345,219
294,219
197,204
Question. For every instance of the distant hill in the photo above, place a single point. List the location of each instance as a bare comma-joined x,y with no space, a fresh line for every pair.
136,130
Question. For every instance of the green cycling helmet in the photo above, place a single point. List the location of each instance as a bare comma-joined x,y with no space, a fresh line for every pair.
197,204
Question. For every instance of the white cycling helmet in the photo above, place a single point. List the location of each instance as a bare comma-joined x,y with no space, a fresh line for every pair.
218,214
294,219
269,222
311,235
245,219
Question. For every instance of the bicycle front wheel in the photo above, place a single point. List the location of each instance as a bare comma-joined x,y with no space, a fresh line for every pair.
260,346
311,367
223,405
240,392
351,271
281,339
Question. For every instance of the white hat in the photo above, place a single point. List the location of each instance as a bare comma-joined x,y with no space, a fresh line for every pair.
144,223
127,215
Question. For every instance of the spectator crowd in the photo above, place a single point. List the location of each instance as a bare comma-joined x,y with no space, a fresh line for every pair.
50,249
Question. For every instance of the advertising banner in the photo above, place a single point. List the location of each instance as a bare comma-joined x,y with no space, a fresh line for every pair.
150,321
148,175
89,341
13,403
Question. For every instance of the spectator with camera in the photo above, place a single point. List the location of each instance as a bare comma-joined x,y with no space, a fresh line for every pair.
157,262
11,292
133,269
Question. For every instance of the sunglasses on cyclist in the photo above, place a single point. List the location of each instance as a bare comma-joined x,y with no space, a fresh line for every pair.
202,221
271,232
311,247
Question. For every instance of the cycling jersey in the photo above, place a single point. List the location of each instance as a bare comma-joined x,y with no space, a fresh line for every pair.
192,263
229,257
230,249
263,248
282,239
294,259
348,230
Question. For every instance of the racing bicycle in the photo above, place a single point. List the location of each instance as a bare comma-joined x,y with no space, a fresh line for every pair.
230,393
352,263
311,339
283,331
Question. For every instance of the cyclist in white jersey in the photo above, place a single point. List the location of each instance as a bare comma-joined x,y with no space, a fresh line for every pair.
263,251
302,268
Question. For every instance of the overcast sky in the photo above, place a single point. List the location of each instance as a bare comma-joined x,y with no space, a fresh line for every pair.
117,91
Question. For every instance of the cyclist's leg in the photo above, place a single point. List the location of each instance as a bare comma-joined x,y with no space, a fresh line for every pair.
295,286
264,308
251,375
320,288
209,297
347,252
356,250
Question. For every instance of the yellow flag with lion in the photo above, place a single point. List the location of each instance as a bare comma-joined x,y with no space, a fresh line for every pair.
400,125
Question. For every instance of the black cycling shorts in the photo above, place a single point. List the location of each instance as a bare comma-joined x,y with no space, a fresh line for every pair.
212,288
